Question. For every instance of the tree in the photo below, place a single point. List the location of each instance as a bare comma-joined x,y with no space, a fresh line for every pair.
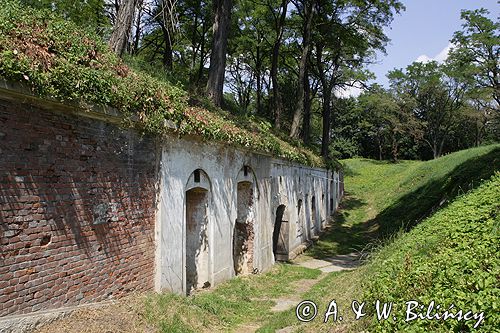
438,97
279,16
306,11
122,26
346,36
477,51
222,19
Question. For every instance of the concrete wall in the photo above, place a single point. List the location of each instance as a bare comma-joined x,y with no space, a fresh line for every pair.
275,182
91,211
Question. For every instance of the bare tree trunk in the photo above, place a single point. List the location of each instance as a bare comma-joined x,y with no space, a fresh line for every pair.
327,122
137,36
222,20
167,53
123,24
204,29
379,144
278,103
298,115
306,124
258,78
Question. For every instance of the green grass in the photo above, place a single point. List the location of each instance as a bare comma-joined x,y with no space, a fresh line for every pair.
240,300
59,60
383,197
452,257
440,241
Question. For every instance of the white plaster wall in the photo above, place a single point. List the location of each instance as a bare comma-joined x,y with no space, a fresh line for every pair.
275,182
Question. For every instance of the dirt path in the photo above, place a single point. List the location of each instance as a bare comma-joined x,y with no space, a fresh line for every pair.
328,265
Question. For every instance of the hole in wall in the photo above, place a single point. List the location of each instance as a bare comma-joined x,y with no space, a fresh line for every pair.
45,240
27,246
197,175
99,249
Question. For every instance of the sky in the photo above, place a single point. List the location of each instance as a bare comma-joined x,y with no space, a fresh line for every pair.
423,32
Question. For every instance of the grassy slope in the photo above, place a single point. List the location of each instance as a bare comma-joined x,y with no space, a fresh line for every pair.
452,257
381,198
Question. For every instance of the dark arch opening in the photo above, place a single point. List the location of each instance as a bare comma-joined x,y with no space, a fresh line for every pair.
197,247
279,240
314,219
243,235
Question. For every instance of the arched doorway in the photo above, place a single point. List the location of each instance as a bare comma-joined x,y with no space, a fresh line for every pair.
197,232
314,219
280,235
243,236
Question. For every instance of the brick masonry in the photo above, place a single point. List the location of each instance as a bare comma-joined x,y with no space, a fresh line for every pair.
77,210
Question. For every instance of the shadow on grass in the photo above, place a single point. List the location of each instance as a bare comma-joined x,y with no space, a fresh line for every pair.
406,212
413,207
338,237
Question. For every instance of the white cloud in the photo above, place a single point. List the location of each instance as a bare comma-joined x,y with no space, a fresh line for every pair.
347,92
440,57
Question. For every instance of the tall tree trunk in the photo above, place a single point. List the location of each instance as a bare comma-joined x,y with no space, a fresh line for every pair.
306,124
167,53
278,103
258,79
327,122
123,24
202,51
298,115
137,37
222,20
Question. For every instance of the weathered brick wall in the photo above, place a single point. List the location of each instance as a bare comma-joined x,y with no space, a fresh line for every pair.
77,210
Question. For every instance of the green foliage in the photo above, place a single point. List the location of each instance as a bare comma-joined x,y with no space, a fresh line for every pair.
476,51
59,60
89,13
450,258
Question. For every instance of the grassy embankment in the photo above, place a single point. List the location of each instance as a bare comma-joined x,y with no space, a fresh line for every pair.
451,256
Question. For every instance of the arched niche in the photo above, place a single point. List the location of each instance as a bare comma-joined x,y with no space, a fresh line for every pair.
244,233
299,224
197,231
280,234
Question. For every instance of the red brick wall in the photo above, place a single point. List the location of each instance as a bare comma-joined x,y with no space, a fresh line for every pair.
77,210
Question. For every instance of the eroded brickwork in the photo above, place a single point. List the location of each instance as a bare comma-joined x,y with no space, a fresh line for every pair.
77,210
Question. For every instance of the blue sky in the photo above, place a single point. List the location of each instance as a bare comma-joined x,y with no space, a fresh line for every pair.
425,28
